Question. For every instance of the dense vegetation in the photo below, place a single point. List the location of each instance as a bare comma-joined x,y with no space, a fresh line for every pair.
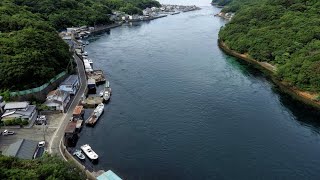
285,33
46,167
221,2
31,52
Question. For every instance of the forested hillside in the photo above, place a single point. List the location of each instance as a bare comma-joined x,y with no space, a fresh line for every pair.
31,52
221,2
285,33
43,168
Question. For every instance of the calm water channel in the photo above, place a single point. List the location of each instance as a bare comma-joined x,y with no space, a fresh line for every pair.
182,109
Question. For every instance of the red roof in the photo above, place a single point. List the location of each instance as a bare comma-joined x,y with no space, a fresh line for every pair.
78,110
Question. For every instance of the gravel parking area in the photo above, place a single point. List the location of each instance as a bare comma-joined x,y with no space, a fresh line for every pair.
36,132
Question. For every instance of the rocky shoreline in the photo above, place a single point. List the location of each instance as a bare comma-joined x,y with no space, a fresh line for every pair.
306,97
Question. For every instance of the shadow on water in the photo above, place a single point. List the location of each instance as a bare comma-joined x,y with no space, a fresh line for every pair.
304,114
245,68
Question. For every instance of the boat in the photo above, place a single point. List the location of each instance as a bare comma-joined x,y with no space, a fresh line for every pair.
95,115
79,154
101,93
90,61
109,89
106,96
107,85
89,152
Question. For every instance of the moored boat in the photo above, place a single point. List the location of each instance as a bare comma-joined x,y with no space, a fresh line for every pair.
107,85
95,115
109,89
106,96
101,93
89,152
90,61
79,154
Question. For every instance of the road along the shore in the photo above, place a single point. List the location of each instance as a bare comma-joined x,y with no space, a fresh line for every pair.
58,135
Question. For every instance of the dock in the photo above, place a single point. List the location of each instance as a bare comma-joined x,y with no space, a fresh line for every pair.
97,75
92,101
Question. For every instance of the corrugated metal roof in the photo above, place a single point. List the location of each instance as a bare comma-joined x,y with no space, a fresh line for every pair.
91,81
16,105
71,80
78,110
71,127
109,175
23,149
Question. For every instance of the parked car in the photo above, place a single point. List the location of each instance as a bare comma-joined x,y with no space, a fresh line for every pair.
7,132
41,144
41,119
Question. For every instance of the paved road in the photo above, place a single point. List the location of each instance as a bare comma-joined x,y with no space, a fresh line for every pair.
55,141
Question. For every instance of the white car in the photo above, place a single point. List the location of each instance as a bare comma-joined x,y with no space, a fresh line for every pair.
41,144
6,132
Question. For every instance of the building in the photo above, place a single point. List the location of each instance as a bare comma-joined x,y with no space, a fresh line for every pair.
109,175
92,85
78,112
23,148
19,110
2,104
70,85
70,134
57,100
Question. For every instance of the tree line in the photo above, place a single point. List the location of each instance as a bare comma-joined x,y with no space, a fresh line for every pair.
46,167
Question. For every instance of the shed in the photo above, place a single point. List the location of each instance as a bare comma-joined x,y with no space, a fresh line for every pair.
78,112
79,125
23,149
70,134
109,175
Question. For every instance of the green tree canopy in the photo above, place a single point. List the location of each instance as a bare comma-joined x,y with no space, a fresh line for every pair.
285,33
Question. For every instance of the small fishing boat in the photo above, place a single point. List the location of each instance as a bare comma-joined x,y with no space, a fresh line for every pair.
107,85
79,154
90,61
109,89
101,93
89,152
106,96
95,115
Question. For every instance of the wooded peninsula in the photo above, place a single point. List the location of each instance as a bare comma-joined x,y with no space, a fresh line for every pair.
284,33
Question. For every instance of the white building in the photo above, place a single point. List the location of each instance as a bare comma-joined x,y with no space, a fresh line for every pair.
57,100
70,85
22,110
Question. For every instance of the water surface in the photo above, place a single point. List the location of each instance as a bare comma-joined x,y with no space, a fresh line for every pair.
182,109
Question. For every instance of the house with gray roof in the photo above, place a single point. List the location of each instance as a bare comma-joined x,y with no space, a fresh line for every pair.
22,110
57,100
70,85
23,148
